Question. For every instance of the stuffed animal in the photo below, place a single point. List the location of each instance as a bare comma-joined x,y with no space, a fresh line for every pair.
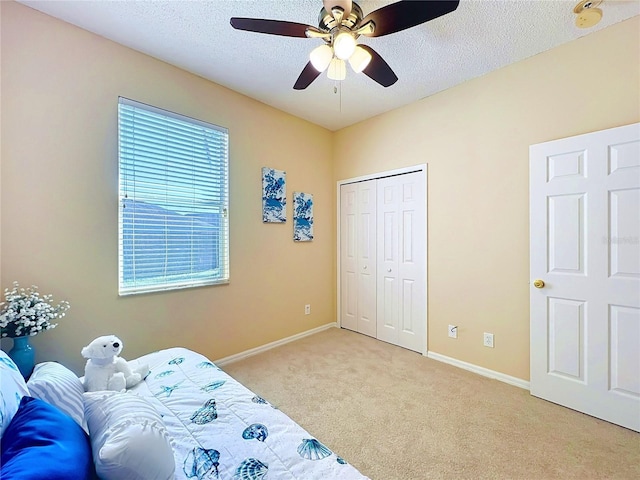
105,370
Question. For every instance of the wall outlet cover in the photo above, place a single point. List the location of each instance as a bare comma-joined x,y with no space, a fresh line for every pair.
453,331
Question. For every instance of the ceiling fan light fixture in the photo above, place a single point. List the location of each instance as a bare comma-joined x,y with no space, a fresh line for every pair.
337,69
342,22
344,45
320,57
360,59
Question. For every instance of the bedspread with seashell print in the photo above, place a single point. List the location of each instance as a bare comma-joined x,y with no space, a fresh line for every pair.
221,430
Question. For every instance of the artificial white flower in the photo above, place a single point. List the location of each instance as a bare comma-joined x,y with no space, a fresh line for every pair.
25,312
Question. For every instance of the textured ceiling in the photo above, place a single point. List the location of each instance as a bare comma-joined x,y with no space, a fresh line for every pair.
195,35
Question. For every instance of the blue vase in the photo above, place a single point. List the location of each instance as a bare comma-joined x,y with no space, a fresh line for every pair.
23,355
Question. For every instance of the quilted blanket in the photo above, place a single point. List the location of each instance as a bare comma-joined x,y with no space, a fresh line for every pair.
222,430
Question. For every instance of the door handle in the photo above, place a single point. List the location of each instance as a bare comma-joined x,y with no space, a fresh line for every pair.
538,283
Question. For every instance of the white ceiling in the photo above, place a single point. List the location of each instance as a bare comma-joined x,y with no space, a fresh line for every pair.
195,35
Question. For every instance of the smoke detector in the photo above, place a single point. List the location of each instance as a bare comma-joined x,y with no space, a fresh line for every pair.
588,13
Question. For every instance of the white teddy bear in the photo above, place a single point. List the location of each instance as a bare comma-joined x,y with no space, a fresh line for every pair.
105,370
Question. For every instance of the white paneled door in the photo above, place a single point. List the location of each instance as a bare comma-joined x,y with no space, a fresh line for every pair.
401,260
585,268
358,257
383,258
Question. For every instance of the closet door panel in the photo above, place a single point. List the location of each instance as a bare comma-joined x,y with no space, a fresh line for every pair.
412,261
401,263
348,257
366,253
358,226
388,285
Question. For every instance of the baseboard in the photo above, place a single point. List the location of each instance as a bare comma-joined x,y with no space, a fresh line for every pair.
254,351
485,372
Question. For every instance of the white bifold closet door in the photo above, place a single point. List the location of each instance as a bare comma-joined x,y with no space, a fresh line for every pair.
358,256
383,259
401,253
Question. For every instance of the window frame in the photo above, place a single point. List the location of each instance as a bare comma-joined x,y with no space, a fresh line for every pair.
219,184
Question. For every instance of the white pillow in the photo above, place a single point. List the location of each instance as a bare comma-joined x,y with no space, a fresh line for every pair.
12,389
56,384
128,437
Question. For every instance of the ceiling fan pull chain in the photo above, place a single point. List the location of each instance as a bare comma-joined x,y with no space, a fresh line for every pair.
338,91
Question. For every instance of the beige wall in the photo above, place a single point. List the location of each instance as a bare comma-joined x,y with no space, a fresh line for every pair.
60,88
475,139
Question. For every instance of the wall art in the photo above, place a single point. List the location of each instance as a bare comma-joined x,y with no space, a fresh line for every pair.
302,217
274,195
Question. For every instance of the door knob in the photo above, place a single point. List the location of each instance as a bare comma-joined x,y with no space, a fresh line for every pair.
365,267
538,283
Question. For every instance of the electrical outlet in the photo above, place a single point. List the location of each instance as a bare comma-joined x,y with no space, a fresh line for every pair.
453,331
307,309
488,339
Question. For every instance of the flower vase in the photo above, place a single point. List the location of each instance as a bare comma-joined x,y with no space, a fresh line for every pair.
23,355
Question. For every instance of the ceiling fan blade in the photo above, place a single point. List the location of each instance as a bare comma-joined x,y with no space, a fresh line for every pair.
307,76
272,27
379,70
406,14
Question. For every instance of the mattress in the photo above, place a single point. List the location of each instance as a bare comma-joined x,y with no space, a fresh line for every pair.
222,430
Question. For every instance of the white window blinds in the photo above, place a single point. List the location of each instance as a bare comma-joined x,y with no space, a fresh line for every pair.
173,213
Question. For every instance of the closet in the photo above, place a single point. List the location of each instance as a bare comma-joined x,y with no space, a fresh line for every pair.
383,258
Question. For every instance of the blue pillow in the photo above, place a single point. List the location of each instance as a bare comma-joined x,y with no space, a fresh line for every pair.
42,442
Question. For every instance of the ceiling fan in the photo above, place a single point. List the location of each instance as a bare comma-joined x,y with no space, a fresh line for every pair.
340,23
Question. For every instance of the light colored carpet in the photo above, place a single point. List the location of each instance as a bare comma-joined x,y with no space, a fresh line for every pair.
396,415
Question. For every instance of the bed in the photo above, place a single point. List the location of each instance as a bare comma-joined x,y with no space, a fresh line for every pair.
187,420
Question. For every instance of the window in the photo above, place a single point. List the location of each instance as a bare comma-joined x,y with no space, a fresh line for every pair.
173,212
